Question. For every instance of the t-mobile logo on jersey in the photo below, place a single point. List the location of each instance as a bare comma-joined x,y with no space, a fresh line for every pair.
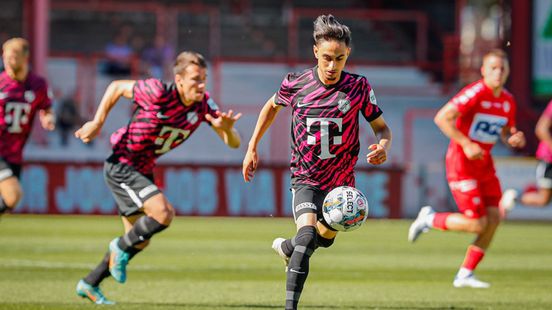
16,115
175,136
324,134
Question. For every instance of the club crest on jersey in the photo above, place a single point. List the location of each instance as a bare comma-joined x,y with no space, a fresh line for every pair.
344,105
29,96
486,128
192,117
506,106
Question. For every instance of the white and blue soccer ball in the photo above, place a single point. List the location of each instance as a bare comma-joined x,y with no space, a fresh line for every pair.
345,208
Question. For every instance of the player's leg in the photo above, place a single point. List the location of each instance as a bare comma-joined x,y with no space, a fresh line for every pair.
10,188
543,195
324,239
468,199
476,251
158,216
306,202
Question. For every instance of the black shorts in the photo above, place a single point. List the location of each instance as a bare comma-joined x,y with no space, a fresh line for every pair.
8,169
129,187
544,175
308,199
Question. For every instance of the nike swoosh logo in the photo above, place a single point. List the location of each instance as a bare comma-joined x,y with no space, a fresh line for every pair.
295,271
302,104
161,115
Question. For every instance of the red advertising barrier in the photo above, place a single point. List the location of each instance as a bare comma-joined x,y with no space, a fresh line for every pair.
205,190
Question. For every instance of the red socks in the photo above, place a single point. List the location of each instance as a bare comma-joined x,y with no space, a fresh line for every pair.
440,220
473,256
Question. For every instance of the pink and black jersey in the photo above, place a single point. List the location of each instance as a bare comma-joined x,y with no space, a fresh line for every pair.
325,126
543,151
482,117
19,102
160,123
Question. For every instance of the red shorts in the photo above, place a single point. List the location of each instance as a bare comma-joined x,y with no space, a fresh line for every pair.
473,196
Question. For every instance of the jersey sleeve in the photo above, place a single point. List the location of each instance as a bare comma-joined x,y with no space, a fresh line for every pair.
512,114
46,95
370,109
211,107
466,99
284,95
548,111
148,92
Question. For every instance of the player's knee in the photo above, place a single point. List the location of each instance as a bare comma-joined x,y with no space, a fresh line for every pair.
306,238
493,220
13,197
163,214
324,242
478,226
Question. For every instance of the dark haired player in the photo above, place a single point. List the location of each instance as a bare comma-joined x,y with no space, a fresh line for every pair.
22,95
325,104
165,115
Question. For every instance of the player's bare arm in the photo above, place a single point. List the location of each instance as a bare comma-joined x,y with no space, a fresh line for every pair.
115,90
513,137
47,119
542,130
223,125
378,154
446,121
266,117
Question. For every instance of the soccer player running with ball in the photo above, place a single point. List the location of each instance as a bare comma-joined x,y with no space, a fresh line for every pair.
325,102
474,120
164,116
23,94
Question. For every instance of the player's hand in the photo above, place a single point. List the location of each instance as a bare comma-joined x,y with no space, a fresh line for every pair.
473,151
249,165
516,139
378,155
47,120
224,120
88,131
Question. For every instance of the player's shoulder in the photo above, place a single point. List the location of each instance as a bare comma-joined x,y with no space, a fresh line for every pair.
473,89
36,81
299,75
153,83
508,95
354,78
208,100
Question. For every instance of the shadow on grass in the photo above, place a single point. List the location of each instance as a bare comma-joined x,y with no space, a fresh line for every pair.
258,306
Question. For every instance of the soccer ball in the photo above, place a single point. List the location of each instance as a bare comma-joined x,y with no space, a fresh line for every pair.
345,208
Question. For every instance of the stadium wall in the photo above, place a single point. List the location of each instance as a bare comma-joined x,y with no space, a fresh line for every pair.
200,190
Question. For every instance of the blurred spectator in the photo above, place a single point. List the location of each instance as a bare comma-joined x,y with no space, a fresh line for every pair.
157,57
67,118
119,53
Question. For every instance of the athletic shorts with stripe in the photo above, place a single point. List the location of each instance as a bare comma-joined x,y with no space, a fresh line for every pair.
308,199
129,187
544,174
8,169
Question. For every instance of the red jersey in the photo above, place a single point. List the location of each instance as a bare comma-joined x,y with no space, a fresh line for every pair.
19,102
482,117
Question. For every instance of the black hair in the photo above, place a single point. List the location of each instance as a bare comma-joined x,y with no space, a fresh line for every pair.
327,28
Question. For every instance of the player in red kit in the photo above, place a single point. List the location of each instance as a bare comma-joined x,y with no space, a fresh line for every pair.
326,103
474,120
22,95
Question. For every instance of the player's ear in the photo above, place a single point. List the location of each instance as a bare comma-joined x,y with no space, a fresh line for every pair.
348,51
315,50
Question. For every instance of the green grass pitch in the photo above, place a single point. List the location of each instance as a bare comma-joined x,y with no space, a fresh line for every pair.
227,263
